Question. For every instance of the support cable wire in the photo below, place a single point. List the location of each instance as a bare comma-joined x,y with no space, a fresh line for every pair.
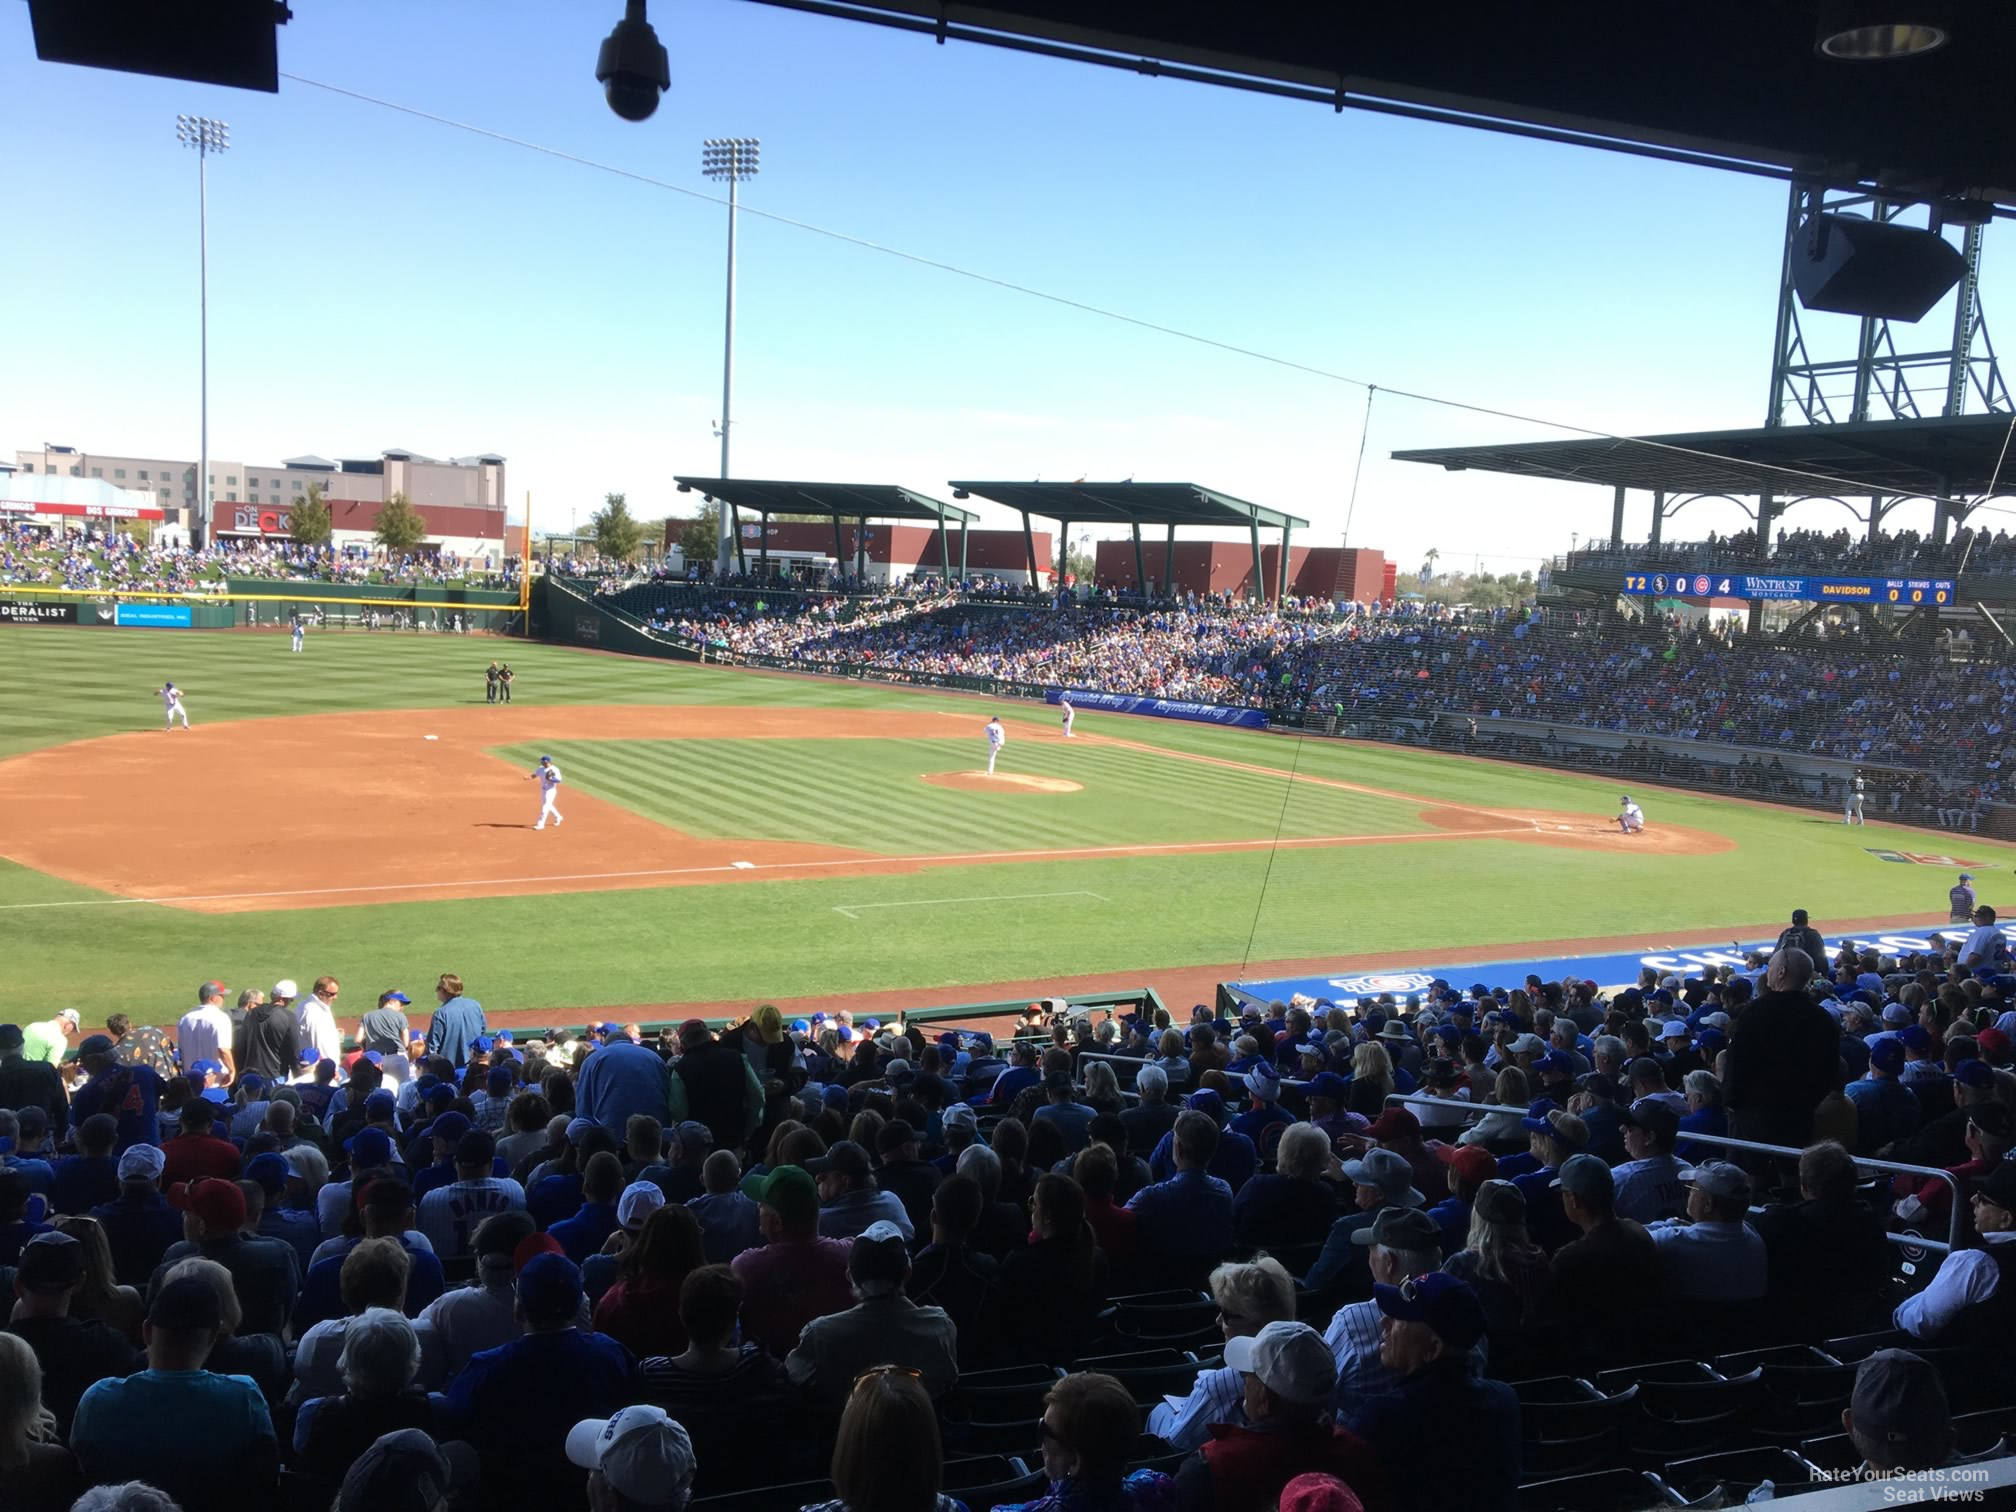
1805,475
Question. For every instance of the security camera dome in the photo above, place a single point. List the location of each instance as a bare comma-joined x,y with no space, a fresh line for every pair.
632,67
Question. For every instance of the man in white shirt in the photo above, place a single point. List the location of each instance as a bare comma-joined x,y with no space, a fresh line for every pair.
204,1032
1985,942
1970,1293
1713,1255
316,1018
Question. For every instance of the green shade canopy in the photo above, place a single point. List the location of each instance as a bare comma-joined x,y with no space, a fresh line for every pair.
838,501
1129,504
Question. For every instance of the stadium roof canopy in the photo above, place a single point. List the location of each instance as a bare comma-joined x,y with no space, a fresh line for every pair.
1931,458
860,502
1740,84
1136,504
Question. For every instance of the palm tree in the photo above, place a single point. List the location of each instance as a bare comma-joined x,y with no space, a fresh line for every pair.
1428,564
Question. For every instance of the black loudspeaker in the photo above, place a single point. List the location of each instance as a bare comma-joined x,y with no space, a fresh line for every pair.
1863,267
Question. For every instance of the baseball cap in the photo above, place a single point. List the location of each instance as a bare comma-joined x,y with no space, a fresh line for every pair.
1711,1040
845,1158
1330,1085
1206,1101
212,988
381,1104
393,997
1887,1055
10,1037
790,1190
286,987
1529,1044
1556,1124
1291,1360
1896,1015
50,1262
1389,1172
1654,1115
95,1044
1264,1082
1394,1123
1900,1402
368,1148
216,1202
878,1254
188,1304
1598,1085
1501,1202
205,1067
645,1456
450,1126
142,1162
1915,1037
960,1116
1674,1028
1400,1228
405,1471
549,1287
1721,1178
1974,1073
895,1134
1586,1176
1471,1162
1999,1186
639,1201
1438,1299
1993,1119
1555,1061
270,1170
579,1129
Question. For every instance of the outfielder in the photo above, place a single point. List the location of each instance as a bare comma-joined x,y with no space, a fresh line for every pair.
171,705
549,789
1630,818
298,628
996,738
1070,713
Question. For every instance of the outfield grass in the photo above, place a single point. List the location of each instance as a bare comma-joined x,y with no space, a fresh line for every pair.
944,926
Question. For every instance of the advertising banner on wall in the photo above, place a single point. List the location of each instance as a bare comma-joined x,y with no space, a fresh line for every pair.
1159,708
32,612
155,616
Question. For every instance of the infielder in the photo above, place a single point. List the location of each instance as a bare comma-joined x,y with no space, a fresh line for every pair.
1630,818
996,738
1960,901
549,789
298,627
171,705
1851,801
1069,714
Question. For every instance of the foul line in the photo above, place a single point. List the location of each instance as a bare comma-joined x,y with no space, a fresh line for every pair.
849,909
783,868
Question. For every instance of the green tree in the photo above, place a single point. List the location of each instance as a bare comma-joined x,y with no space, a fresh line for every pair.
400,526
308,520
618,533
694,536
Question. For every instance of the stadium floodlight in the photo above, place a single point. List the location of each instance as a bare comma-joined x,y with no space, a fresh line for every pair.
206,135
732,159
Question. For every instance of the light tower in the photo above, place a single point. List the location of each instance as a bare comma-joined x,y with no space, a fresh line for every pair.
733,159
206,136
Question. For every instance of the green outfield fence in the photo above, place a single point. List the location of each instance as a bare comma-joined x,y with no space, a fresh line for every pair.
270,603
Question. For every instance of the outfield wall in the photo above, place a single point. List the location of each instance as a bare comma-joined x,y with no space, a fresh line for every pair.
266,603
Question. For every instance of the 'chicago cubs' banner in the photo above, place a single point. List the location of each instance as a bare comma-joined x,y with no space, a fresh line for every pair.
1345,986
1160,708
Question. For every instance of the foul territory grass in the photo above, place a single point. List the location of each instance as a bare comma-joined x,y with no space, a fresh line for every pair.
944,926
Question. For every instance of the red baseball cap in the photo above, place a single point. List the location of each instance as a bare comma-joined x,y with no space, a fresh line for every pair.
1393,1123
218,1203
1473,1163
531,1246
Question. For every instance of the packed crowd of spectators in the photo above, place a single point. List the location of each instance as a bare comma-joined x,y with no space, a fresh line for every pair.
436,1267
100,561
1842,551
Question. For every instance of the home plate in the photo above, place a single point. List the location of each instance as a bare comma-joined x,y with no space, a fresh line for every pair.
743,865
430,737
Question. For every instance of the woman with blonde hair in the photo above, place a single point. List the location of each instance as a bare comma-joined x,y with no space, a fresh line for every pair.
1504,1124
1371,1080
101,1297
887,1456
1507,1270
1170,1057
1102,1087
41,1475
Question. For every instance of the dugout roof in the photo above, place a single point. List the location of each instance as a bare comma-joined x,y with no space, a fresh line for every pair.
1932,458
1130,503
835,501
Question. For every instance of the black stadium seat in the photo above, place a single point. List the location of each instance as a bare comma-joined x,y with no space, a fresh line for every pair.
1736,1473
1604,1491
997,1396
1687,1408
1148,1374
784,1498
1804,1389
1568,1427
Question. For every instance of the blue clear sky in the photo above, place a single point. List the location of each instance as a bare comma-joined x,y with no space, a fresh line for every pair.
381,281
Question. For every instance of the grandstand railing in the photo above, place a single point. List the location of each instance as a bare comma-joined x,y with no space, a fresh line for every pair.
1790,1152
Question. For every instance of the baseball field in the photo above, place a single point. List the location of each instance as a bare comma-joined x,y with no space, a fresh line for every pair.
731,836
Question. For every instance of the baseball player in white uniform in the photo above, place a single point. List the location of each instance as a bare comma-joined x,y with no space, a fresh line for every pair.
549,789
1852,800
996,738
1064,704
171,705
298,627
1630,818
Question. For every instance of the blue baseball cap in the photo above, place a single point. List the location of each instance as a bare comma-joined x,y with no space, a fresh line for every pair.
381,1104
1974,1073
481,1043
1441,1301
1206,1101
1887,1055
500,1079
871,1025
369,1147
450,1125
1914,1037
834,1097
393,997
549,1287
252,1081
205,1067
270,1170
504,1037
376,1057
310,1055
1329,1084
800,1026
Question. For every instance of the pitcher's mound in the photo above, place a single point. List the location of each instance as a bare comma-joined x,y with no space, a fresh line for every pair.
1002,782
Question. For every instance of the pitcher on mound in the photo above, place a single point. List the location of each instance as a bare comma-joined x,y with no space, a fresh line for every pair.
996,738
